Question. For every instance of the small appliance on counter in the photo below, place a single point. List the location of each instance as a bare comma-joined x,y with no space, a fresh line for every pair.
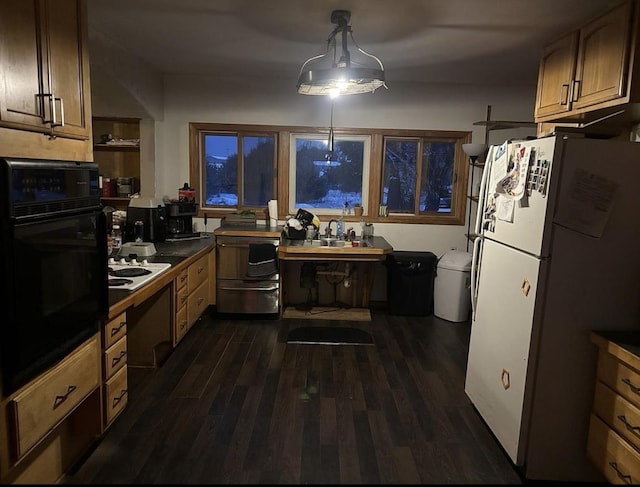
180,219
153,215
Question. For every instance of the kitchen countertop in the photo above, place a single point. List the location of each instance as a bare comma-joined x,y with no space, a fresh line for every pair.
623,344
376,250
248,230
174,253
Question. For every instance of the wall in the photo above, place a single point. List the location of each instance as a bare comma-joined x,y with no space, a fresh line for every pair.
275,102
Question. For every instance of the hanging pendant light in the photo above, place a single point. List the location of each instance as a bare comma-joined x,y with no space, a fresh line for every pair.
334,72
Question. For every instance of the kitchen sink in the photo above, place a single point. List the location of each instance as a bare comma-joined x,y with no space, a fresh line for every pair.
327,242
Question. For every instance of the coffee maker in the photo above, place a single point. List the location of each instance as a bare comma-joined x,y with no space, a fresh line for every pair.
180,219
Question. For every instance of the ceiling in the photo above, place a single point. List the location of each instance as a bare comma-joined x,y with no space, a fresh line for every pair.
444,41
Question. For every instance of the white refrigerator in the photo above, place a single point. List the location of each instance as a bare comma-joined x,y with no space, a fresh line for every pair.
558,255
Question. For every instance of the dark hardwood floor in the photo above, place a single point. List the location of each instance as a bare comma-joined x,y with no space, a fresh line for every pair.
236,404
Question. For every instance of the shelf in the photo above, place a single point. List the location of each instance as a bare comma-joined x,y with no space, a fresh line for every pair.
119,148
116,199
504,124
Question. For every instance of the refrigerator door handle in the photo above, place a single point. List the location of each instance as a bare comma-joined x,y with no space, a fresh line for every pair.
475,267
482,193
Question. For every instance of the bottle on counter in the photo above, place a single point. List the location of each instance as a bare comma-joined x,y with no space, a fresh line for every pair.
116,237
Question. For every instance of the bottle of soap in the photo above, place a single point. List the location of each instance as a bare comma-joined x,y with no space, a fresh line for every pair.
340,231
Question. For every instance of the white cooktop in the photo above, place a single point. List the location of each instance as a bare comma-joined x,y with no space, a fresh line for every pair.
123,273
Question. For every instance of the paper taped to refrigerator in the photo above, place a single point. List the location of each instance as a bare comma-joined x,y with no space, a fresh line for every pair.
587,204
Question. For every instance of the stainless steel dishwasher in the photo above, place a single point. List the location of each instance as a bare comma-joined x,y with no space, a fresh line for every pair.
236,291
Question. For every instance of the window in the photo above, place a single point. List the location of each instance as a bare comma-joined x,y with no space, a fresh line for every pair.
327,182
223,169
399,176
419,167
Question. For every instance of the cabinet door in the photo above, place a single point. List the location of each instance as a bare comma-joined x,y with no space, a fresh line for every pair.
69,65
21,76
557,69
602,63
43,54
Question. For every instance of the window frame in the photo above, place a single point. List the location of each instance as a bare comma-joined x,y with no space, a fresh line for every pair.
282,169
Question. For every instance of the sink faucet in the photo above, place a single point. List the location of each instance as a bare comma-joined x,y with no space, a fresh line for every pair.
328,228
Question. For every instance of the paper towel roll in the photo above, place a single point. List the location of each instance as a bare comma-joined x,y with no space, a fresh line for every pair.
273,213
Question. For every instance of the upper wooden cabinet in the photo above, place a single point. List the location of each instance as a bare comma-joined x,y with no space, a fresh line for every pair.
588,69
44,68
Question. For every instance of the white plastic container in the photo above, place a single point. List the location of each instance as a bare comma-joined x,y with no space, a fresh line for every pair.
452,287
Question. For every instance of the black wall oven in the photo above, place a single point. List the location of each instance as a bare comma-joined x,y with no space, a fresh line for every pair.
54,260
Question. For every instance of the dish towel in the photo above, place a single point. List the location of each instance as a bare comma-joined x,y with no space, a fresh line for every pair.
263,260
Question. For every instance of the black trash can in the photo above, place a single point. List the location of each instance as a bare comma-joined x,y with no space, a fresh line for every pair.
410,282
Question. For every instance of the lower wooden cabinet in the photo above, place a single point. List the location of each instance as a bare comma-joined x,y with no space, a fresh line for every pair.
41,405
192,295
613,443
114,368
182,296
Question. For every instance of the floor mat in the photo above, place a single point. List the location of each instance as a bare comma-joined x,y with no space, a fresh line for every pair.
329,335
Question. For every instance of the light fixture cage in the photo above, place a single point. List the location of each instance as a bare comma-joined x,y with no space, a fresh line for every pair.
342,77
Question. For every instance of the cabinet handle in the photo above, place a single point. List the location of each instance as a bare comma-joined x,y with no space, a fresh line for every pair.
60,399
200,270
623,476
183,298
116,329
183,325
633,428
115,360
116,400
183,278
575,90
631,386
564,93
52,110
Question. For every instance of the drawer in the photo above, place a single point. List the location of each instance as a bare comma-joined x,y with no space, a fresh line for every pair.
47,400
115,394
613,456
239,296
197,303
618,413
181,297
181,280
115,329
115,357
619,377
198,272
181,324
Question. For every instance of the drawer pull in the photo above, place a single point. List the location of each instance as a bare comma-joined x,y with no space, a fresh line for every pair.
200,301
183,278
200,270
623,418
118,328
115,360
183,325
623,476
60,399
635,389
117,399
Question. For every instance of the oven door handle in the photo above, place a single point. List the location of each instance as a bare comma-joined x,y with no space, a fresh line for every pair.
270,288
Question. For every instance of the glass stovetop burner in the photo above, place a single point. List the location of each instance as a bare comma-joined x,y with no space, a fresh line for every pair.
119,281
129,272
